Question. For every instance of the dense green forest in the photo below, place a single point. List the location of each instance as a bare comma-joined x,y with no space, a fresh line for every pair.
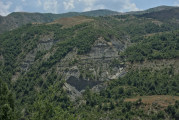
38,90
159,46
134,83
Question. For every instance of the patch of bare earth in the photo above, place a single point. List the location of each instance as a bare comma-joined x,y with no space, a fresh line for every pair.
162,101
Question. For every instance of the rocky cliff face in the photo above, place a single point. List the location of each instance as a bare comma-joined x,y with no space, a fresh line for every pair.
102,63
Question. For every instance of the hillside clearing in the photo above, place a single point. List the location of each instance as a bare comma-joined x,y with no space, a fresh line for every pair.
161,100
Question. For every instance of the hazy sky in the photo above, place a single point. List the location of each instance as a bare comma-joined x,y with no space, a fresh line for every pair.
62,6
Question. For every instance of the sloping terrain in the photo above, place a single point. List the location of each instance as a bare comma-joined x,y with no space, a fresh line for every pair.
101,12
155,9
163,15
91,68
17,19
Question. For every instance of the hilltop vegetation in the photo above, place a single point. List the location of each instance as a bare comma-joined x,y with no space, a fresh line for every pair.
37,61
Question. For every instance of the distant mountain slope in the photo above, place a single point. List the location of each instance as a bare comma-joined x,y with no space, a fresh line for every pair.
102,12
155,9
160,8
163,15
17,19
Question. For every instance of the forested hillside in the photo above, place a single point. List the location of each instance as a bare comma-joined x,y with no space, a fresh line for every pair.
107,67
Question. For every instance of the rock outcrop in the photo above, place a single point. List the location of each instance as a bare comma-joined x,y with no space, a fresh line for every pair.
45,43
92,69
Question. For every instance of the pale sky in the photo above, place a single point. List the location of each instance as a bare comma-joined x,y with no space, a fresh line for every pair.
63,6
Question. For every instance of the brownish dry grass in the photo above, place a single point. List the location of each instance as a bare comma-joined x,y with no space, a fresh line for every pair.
158,100
71,21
